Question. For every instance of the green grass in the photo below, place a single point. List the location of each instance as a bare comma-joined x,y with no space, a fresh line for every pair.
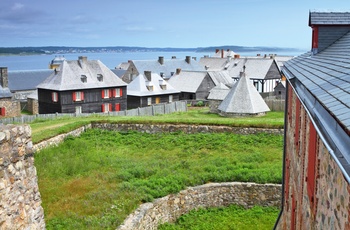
232,217
44,129
94,181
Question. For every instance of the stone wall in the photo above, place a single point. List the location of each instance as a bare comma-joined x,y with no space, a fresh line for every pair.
160,128
171,207
33,106
13,108
20,201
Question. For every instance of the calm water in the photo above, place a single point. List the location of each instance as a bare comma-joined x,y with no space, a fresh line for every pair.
111,60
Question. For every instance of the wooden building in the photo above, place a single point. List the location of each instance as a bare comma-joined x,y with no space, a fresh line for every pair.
316,178
82,86
148,89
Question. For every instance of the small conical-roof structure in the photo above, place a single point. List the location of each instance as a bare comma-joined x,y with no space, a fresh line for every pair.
243,100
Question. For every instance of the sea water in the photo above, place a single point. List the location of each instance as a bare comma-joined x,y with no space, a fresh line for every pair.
111,59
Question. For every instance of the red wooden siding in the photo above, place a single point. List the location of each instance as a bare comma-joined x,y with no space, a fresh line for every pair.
121,92
311,168
82,96
314,37
294,216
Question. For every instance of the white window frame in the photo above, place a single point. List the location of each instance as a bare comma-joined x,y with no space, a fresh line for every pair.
54,96
78,109
106,106
77,96
149,100
106,93
117,92
171,98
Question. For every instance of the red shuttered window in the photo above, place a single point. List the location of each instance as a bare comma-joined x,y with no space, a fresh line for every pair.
117,107
2,111
78,96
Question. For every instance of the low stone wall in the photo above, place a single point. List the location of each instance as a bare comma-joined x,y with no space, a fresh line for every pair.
171,207
59,138
161,128
20,201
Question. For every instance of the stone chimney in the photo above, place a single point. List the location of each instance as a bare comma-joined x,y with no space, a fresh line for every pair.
82,61
178,71
188,59
4,78
161,60
222,53
148,75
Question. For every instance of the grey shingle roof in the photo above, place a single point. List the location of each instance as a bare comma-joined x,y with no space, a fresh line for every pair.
138,87
256,68
70,72
188,81
327,76
221,77
329,18
243,98
168,67
27,79
219,92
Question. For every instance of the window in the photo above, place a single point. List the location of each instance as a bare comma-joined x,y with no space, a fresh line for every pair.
107,107
83,78
54,96
117,107
150,87
118,92
170,98
157,100
78,96
100,77
149,101
105,93
2,111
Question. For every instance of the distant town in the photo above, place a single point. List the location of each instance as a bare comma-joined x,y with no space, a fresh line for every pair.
120,49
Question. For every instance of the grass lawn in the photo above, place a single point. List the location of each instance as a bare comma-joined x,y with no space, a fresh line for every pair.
94,181
44,129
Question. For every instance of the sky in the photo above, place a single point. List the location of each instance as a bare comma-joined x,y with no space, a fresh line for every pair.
160,23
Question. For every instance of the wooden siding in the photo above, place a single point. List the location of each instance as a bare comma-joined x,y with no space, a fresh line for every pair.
92,101
139,102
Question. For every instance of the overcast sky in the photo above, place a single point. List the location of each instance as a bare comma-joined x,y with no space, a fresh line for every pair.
160,23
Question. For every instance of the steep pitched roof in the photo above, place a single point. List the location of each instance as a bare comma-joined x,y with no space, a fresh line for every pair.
326,76
168,67
138,87
243,98
27,79
70,73
255,68
329,18
219,92
221,77
188,81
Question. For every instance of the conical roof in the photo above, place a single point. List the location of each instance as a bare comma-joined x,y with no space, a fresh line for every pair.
243,99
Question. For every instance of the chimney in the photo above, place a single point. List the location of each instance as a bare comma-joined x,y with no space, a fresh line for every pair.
217,51
194,58
148,75
242,74
161,60
82,61
188,59
237,56
173,57
222,53
4,78
178,71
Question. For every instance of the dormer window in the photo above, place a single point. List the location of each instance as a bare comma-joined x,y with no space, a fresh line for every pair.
162,84
100,77
83,78
150,87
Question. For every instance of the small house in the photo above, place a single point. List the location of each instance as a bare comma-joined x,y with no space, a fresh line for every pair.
82,86
148,89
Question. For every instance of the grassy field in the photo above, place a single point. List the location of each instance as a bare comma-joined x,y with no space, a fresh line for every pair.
44,129
232,217
94,181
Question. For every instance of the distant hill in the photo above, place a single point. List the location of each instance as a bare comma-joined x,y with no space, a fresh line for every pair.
65,49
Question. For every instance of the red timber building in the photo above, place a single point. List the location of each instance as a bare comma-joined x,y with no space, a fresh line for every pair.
316,175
